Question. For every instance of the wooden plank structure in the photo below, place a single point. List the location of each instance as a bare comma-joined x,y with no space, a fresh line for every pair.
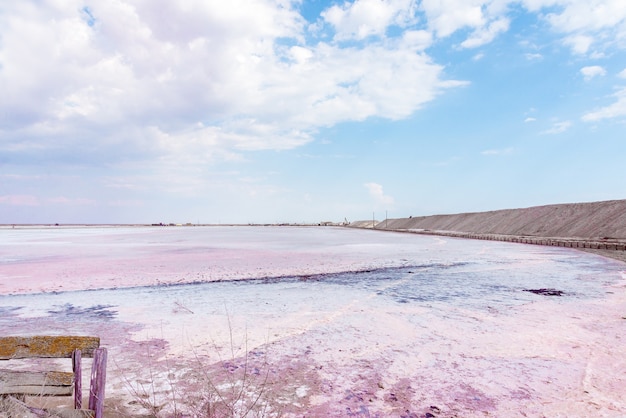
16,385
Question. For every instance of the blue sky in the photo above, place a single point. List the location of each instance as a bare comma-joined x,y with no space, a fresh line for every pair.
142,111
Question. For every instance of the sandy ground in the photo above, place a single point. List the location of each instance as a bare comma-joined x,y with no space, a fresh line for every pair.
316,348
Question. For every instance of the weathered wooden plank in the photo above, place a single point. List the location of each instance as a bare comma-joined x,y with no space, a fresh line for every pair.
53,378
36,383
78,379
98,380
16,384
46,346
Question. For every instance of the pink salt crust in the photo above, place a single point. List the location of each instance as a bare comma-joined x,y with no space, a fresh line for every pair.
71,266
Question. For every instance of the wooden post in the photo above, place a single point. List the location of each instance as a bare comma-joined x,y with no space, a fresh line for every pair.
98,379
78,379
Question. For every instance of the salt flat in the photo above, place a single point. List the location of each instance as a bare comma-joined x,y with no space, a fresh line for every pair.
326,321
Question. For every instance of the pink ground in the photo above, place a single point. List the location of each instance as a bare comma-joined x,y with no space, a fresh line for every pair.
320,351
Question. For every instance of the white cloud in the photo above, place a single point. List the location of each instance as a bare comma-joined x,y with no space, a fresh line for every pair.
592,71
62,200
615,110
558,127
447,16
485,18
201,80
583,15
417,40
597,55
530,119
195,81
376,192
533,56
20,177
363,18
486,34
19,200
497,152
585,22
622,74
579,44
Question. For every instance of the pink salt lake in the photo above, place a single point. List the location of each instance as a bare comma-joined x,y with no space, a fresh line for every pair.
337,322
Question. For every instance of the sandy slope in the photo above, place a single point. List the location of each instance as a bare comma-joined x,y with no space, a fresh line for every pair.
581,220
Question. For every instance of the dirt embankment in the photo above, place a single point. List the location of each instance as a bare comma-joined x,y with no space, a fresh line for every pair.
579,225
574,220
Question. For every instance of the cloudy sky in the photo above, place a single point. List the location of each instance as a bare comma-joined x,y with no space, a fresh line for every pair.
124,111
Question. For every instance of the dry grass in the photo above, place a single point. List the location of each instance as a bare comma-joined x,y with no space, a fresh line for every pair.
238,386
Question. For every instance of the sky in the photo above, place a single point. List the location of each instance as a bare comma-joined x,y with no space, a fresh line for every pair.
264,111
